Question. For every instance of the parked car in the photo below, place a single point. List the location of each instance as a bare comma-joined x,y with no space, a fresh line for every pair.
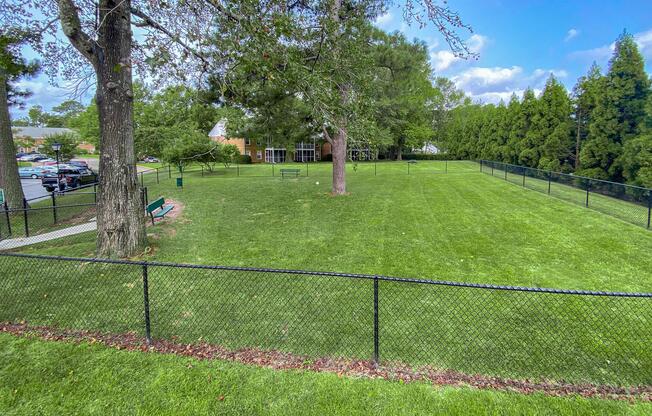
19,155
73,178
33,172
79,163
31,157
150,159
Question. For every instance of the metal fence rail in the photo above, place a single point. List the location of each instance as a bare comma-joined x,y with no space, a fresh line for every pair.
627,202
516,332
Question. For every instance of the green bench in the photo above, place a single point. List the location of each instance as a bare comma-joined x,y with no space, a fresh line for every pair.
290,172
159,205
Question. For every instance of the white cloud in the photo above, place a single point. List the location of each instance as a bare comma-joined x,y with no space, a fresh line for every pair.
44,94
604,52
493,84
444,59
572,33
384,19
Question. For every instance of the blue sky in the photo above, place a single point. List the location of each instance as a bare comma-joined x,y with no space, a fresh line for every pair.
519,44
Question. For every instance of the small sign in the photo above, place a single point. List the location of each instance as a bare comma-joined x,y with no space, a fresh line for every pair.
2,196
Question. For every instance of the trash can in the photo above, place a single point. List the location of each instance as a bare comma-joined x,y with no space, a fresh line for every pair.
179,182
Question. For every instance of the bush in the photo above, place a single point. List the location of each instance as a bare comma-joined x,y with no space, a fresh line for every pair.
244,160
327,158
425,156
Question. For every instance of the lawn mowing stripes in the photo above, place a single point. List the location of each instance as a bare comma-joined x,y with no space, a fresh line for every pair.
626,202
334,274
504,331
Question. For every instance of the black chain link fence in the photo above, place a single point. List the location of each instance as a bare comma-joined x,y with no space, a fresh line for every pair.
51,213
514,332
626,202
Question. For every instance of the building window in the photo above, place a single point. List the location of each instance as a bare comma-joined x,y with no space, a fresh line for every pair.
304,152
259,154
274,155
247,152
247,142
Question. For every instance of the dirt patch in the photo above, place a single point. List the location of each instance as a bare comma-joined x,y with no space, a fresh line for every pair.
342,367
171,216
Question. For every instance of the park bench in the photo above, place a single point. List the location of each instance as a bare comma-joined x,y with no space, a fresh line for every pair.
290,172
158,209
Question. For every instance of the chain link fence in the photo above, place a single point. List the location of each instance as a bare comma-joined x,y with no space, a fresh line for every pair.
626,202
515,332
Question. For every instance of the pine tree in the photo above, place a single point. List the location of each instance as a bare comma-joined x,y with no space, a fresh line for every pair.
619,113
522,135
554,127
584,95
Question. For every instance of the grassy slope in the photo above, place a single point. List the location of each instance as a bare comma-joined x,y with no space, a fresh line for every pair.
460,226
38,377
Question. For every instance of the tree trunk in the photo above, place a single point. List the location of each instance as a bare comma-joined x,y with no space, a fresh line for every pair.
578,140
121,214
339,162
9,179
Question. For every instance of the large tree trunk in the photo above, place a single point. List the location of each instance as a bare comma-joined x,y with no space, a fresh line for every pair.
9,179
121,215
339,162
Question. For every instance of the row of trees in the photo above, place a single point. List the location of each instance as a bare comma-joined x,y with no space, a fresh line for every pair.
603,129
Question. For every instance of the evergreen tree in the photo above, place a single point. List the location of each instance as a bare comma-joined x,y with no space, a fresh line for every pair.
523,138
585,95
619,113
554,127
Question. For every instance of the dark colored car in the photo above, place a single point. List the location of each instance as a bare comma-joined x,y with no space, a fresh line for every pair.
79,163
73,178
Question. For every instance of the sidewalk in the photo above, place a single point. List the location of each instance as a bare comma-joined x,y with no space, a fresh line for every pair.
53,235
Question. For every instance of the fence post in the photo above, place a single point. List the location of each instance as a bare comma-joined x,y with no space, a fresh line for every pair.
169,172
307,169
492,169
524,176
588,189
237,168
157,182
95,192
446,166
7,216
375,162
202,171
549,180
25,217
272,170
376,331
54,207
148,332
649,209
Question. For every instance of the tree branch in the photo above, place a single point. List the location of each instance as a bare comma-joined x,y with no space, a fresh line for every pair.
71,26
326,135
224,11
149,22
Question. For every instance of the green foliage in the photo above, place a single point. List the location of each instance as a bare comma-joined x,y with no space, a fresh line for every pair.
619,113
87,124
68,143
228,154
605,124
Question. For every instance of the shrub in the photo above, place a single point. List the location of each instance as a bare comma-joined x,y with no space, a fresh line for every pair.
244,160
425,156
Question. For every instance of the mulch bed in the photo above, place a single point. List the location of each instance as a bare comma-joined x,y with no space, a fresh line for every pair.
342,367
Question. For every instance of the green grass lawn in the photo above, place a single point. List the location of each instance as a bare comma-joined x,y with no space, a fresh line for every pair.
461,226
39,377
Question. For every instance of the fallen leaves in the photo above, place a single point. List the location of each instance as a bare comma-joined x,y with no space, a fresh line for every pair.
341,367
